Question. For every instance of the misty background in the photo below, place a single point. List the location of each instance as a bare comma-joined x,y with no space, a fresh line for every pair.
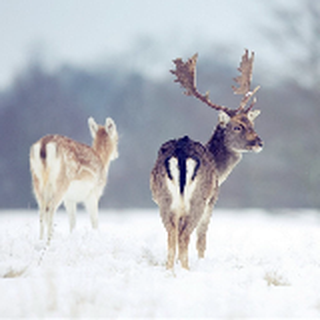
63,61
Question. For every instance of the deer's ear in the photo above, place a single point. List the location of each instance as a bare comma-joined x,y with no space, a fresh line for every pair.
224,118
93,127
110,126
252,114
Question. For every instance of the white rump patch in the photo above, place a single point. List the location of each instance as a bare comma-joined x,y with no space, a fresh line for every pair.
35,160
181,202
53,163
173,184
48,170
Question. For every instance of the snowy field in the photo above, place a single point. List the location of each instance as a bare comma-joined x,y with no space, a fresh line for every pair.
257,264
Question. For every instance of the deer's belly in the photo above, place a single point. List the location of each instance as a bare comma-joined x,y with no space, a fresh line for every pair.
79,191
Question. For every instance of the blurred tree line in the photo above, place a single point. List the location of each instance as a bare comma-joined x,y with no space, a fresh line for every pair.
149,111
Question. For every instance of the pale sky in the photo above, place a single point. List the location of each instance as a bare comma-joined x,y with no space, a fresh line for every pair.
88,31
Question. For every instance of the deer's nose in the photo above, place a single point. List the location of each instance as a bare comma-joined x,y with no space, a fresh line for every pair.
260,142
256,142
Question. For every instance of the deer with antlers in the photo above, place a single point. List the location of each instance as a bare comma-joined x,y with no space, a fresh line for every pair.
64,170
186,176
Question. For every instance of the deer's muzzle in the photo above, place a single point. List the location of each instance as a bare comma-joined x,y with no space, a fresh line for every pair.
256,145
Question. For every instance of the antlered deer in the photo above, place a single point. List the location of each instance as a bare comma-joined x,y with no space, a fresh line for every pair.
67,171
186,176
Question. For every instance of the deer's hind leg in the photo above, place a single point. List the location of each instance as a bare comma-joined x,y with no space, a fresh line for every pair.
50,212
184,231
41,203
42,214
53,200
203,228
187,224
170,221
45,216
92,206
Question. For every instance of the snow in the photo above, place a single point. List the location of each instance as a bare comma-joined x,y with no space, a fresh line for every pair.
257,264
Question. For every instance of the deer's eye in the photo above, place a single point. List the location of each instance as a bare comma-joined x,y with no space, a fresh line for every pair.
237,128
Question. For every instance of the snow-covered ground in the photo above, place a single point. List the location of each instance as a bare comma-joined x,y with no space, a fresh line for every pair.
257,264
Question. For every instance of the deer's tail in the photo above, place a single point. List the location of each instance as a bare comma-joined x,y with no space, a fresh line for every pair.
45,165
182,168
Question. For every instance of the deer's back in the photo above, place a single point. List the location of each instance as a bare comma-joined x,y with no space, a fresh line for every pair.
76,157
65,164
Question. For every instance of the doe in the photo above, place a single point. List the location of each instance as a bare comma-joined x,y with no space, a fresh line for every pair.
64,170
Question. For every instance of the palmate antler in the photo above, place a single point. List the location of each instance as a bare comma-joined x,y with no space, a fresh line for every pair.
186,76
244,81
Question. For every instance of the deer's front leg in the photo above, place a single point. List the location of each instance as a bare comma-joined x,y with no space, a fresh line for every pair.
202,237
169,220
203,228
71,208
92,208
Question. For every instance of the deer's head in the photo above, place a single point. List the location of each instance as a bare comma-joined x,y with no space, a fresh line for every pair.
238,124
105,138
240,135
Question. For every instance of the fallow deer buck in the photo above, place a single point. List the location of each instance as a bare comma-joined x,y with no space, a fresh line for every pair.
186,176
67,171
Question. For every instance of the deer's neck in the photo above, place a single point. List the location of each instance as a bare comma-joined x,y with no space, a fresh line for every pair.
225,159
103,153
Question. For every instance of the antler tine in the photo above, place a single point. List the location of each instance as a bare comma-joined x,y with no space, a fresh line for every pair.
186,76
252,104
245,100
244,81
